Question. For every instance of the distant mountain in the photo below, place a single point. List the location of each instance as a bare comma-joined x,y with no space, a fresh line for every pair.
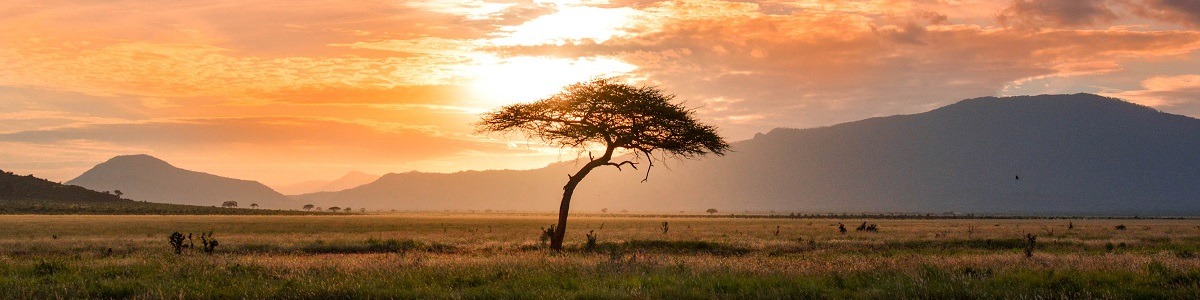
350,180
1048,154
32,195
145,178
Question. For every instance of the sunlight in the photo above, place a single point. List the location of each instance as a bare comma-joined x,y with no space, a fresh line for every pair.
499,81
570,23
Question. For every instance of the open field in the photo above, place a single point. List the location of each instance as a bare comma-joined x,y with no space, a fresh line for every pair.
487,256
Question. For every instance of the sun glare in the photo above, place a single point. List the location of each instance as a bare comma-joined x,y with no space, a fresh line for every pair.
498,81
570,23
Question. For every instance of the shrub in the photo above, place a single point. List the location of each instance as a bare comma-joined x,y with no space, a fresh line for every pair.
209,242
590,245
866,227
176,240
1030,243
547,234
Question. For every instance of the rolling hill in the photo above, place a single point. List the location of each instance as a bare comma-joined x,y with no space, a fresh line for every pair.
145,178
1048,154
32,195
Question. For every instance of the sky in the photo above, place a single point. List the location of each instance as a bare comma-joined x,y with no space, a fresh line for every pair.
289,91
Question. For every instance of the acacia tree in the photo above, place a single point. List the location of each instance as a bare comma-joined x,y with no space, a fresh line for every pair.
632,124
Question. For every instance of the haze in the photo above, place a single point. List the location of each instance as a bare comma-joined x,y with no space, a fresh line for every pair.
290,91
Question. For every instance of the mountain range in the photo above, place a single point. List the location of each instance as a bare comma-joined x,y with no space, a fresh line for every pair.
1075,154
1047,154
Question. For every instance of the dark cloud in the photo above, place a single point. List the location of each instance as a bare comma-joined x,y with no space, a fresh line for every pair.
1056,13
1180,11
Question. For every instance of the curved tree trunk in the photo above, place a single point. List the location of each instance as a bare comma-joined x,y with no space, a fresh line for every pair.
564,208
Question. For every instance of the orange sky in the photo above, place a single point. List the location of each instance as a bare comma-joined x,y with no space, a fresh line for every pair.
297,90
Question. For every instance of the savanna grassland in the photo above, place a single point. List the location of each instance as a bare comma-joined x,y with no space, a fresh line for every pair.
501,256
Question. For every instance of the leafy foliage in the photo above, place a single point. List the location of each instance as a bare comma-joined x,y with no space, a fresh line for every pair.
617,116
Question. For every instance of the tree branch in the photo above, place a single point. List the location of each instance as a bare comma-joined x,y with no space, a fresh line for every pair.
618,165
648,167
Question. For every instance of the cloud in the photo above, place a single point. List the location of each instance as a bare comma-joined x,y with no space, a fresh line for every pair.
1180,93
811,68
1056,13
394,85
283,142
1180,11
182,70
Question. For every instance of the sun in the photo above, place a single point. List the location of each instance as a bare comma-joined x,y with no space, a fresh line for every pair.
496,81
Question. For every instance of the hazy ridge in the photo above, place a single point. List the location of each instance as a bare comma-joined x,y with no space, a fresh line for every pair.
1074,154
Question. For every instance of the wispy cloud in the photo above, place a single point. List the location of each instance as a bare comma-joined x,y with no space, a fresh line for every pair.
394,85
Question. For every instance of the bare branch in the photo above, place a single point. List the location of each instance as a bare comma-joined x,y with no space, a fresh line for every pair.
618,165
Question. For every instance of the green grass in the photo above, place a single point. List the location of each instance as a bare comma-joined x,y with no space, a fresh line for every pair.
498,256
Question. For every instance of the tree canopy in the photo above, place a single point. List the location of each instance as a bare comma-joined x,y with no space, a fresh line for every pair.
602,112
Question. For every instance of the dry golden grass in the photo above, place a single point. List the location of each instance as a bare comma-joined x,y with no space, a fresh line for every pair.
498,255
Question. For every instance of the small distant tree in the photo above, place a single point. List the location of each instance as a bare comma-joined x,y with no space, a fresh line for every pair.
602,113
711,211
335,209
229,204
118,193
362,210
308,207
347,209
603,210
253,205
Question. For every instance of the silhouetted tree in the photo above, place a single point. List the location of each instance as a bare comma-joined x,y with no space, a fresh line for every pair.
347,209
335,209
253,205
308,207
118,193
229,204
603,210
711,211
618,117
